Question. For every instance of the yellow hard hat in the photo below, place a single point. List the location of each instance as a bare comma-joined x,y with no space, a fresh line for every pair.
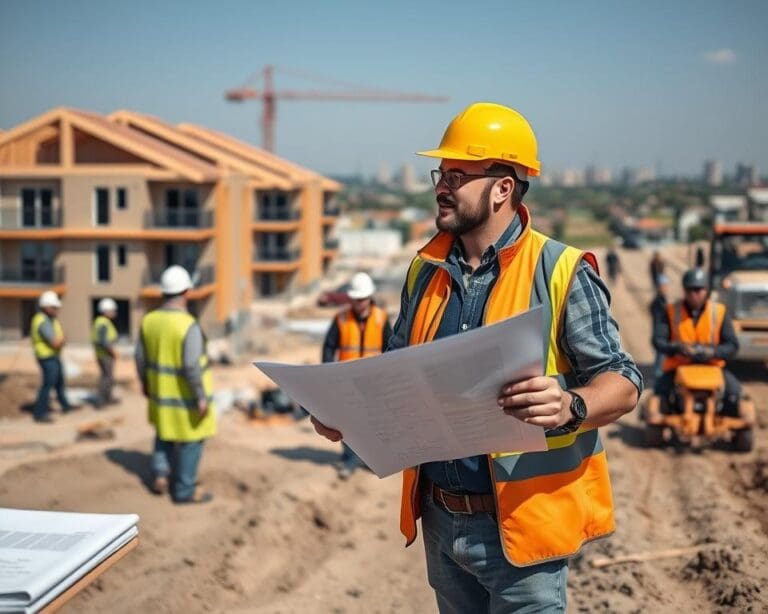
488,131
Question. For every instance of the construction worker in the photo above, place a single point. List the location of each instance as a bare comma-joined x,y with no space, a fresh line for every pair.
360,331
104,338
613,264
696,330
499,528
658,309
47,340
656,268
172,364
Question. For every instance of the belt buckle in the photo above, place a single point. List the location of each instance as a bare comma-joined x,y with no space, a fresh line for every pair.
468,511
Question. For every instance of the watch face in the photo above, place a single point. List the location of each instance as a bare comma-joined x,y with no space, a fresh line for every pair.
578,407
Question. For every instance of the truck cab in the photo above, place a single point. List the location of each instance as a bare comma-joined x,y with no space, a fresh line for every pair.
739,276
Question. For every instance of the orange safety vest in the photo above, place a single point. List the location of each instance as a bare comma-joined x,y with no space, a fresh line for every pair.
356,341
548,503
683,330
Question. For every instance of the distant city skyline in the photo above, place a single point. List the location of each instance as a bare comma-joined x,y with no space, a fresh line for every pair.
610,85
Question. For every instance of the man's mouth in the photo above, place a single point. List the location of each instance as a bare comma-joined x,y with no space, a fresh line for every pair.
444,205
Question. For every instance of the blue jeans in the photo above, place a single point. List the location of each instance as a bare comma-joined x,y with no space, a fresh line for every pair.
469,573
178,460
53,377
349,458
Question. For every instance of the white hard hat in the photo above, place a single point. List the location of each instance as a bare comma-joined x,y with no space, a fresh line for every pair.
49,299
361,286
106,305
175,280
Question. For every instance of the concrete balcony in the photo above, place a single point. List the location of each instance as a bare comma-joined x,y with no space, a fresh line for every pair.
29,281
16,218
276,259
179,219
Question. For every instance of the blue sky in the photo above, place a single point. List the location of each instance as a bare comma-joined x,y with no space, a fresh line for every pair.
613,83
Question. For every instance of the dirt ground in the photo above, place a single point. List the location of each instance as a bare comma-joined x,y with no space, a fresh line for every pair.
283,535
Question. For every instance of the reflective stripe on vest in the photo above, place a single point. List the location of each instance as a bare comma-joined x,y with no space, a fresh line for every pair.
42,349
353,344
549,503
683,330
102,352
172,402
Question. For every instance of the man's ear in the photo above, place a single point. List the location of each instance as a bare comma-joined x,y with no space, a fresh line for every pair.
503,190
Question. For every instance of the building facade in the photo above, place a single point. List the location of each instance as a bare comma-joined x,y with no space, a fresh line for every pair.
94,206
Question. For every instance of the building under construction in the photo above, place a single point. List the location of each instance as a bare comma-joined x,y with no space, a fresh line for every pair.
94,206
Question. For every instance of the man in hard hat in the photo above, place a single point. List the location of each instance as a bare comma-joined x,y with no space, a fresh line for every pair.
172,364
499,528
104,339
359,331
47,340
697,330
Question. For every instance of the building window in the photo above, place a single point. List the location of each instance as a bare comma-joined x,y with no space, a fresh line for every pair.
28,217
102,206
182,207
37,261
103,272
122,256
36,207
122,198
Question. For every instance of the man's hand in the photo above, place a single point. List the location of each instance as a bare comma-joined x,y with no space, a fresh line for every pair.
539,401
325,431
703,353
202,407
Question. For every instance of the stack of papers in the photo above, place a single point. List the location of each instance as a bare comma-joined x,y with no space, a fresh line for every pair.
42,554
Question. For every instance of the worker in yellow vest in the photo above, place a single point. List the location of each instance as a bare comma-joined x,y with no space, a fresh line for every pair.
104,338
359,331
47,340
172,364
499,528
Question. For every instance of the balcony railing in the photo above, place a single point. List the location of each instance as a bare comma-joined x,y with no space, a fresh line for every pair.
276,215
179,218
17,218
201,276
32,275
265,254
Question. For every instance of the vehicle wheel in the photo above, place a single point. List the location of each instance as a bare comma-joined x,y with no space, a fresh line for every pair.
743,440
654,435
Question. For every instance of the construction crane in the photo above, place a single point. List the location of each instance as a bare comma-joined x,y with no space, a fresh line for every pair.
269,97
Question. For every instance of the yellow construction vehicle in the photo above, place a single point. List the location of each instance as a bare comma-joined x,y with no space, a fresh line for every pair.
692,412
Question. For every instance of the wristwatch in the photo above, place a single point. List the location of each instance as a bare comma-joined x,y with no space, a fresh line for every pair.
578,412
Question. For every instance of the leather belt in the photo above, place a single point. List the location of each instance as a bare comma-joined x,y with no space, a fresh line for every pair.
462,503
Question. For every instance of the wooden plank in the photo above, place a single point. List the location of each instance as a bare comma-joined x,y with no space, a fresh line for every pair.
82,583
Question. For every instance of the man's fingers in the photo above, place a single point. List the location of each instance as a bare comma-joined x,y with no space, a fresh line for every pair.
529,398
325,431
534,411
533,384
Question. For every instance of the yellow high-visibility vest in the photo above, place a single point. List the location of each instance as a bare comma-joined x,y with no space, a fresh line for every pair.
100,321
172,402
42,348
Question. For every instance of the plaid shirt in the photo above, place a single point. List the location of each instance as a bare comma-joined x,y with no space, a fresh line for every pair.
589,339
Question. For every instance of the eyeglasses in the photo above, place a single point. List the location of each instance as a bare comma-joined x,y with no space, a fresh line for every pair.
454,178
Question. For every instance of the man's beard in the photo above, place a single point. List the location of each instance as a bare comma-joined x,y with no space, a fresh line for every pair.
466,219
